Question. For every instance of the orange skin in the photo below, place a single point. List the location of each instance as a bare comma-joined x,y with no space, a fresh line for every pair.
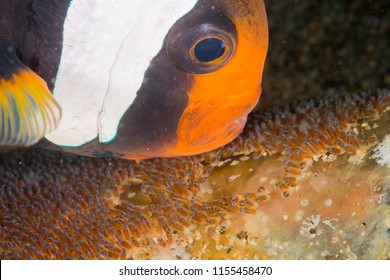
219,102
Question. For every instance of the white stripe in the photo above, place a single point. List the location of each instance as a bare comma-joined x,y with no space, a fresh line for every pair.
107,48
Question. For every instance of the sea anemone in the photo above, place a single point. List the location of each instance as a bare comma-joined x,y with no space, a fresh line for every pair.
62,206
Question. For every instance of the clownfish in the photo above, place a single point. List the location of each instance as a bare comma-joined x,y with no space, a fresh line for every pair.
132,79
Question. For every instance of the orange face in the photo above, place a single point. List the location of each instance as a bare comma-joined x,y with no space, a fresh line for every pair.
220,101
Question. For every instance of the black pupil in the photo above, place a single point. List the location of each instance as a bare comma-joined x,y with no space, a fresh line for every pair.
209,49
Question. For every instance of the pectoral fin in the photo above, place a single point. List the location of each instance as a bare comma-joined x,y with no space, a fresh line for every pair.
28,110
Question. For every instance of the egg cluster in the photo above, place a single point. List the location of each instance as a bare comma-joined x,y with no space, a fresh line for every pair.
306,131
61,206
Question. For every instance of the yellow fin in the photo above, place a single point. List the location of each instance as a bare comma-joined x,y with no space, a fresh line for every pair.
28,110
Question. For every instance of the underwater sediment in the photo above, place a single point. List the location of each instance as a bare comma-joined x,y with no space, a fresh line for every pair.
306,180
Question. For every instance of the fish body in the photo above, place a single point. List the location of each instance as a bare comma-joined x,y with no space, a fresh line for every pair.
132,79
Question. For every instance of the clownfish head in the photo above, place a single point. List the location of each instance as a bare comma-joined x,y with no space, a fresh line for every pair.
158,78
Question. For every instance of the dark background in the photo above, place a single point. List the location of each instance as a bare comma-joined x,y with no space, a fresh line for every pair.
322,48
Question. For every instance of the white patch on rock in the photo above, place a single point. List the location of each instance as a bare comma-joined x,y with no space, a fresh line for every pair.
382,152
309,224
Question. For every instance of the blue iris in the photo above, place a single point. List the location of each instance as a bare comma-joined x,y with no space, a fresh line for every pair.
209,49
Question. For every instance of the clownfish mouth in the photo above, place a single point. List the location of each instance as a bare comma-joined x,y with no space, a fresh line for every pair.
207,127
215,128
221,136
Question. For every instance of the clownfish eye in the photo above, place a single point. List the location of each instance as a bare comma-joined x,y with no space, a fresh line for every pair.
209,49
202,47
